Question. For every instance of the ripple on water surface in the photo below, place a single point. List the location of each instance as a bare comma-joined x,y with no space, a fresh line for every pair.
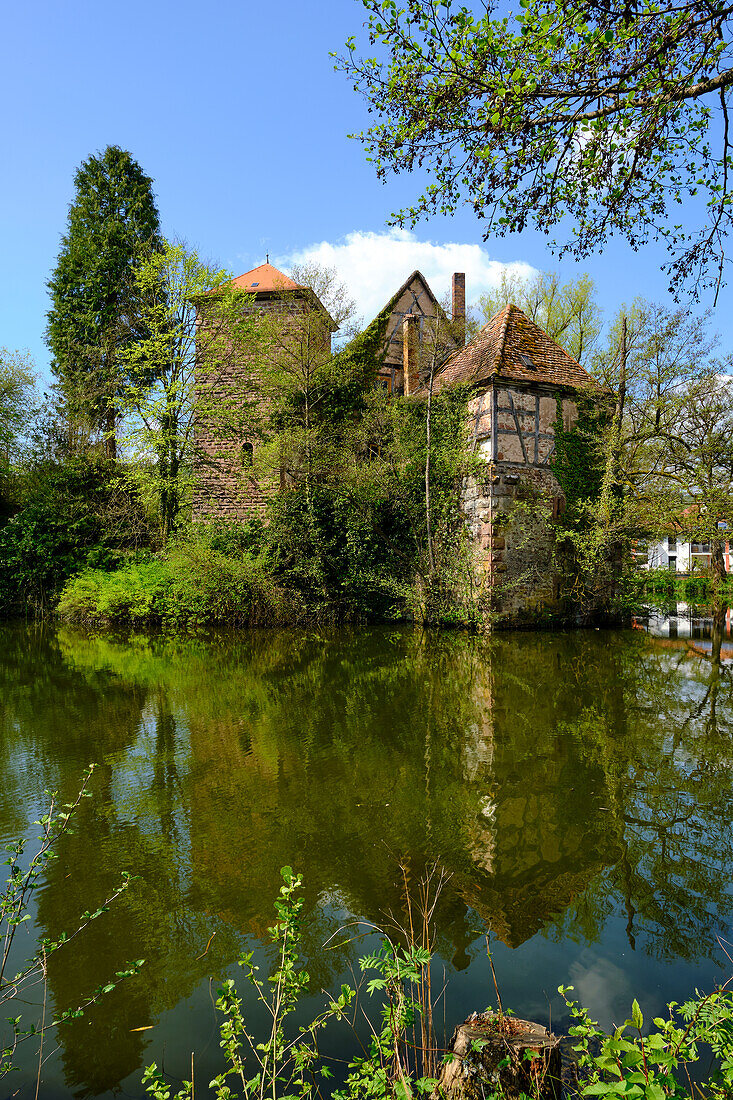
575,787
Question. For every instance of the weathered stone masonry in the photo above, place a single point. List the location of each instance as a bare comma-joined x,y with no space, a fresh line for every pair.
226,487
520,381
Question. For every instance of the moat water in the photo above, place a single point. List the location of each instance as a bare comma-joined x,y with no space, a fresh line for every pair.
576,787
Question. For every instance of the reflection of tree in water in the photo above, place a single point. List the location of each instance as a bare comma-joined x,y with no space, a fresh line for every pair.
669,794
54,719
544,772
718,678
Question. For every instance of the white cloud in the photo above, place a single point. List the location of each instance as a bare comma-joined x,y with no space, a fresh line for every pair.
374,265
602,987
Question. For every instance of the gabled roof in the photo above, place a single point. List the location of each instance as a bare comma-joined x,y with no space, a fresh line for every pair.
265,277
398,293
511,346
416,298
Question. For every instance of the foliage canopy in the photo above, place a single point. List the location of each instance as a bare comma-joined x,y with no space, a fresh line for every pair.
112,221
613,116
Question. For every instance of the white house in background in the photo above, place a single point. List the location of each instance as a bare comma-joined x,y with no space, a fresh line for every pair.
682,557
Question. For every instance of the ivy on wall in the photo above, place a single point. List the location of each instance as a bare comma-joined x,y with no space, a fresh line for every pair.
578,459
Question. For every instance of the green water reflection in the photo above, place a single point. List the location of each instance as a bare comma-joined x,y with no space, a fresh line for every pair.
576,787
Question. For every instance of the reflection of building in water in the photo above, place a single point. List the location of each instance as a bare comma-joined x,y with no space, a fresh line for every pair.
535,838
463,755
532,849
685,620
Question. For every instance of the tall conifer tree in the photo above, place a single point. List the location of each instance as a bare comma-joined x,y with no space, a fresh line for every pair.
112,221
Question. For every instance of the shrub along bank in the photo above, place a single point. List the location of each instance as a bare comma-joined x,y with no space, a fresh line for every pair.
349,540
193,583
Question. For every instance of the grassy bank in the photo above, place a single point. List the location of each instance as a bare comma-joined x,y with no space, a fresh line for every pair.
197,581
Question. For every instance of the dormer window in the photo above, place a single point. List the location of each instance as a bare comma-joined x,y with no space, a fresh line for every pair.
526,361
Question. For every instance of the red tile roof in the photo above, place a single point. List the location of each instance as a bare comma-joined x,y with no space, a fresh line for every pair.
265,277
511,346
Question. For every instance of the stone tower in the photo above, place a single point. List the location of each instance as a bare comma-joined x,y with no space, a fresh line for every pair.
225,486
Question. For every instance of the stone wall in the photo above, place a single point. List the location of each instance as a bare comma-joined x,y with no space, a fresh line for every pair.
510,506
508,512
225,486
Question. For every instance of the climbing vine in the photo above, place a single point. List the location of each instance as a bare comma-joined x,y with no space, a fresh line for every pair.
578,461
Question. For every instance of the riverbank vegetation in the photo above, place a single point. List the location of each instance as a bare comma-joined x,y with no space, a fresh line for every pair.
359,514
699,587
403,1057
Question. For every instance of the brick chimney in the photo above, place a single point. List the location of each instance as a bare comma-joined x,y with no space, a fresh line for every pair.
410,352
458,298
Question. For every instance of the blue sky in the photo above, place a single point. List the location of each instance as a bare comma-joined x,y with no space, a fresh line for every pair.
236,112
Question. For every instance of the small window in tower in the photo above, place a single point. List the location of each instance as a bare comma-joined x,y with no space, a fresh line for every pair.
247,455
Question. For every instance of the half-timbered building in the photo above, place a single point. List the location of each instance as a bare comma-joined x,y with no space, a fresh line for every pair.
416,321
522,384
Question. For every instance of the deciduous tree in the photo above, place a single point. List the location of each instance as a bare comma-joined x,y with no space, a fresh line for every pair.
567,312
615,116
17,404
191,323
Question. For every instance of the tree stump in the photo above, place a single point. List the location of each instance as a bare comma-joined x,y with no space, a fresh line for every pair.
496,1053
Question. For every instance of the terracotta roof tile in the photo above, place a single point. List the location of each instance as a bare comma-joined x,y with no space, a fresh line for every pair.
513,347
263,278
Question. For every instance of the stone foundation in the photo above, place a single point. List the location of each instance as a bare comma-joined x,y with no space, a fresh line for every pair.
508,513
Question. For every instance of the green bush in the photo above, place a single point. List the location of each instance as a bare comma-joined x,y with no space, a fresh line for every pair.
193,584
208,586
657,1063
72,515
695,586
130,594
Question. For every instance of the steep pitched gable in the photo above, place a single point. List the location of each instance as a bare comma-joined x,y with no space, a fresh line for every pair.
415,297
513,347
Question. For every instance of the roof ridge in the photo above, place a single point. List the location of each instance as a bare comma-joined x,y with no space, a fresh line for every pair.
502,334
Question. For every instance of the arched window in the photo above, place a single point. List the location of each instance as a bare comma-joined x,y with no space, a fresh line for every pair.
247,455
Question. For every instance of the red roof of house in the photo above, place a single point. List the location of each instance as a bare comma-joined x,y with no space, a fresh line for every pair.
264,277
513,347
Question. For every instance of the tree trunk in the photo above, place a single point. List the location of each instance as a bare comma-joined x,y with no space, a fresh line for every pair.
717,562
110,433
502,1055
428,524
